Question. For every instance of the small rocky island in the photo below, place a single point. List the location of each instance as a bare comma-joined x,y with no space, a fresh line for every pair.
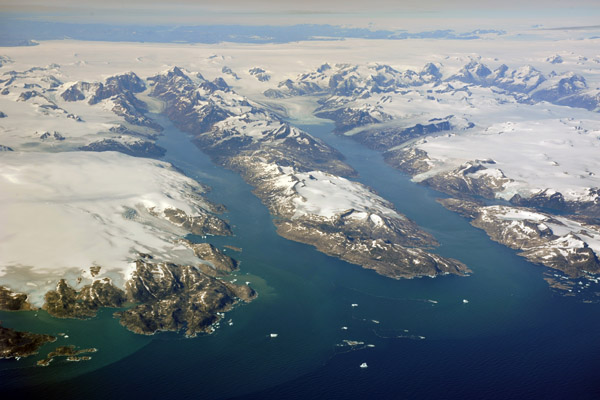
69,352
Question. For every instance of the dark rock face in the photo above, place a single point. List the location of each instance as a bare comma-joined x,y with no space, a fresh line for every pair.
11,301
552,200
208,116
3,115
259,74
5,148
120,89
198,225
555,59
5,60
175,298
298,89
66,302
75,117
390,250
567,85
129,107
21,344
411,160
77,91
54,135
292,148
137,149
218,263
474,73
430,72
228,71
274,94
116,85
29,94
121,130
590,100
385,138
472,179
350,118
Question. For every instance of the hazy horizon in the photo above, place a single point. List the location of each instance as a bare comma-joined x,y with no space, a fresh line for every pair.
383,14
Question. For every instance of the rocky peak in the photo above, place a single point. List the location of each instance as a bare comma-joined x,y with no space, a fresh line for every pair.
430,70
323,68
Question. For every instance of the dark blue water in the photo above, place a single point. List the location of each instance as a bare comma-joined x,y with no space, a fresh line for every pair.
514,339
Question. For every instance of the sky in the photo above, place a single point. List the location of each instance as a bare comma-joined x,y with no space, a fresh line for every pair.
382,13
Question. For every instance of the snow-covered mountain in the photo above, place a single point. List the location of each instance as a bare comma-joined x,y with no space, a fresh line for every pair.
513,133
452,119
298,177
96,217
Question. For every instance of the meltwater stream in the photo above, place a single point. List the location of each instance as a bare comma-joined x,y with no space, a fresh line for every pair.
513,338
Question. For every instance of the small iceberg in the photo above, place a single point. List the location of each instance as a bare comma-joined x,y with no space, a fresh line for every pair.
353,342
364,365
374,321
465,301
273,335
354,305
344,328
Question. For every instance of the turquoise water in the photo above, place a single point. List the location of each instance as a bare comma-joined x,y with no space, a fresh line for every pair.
514,338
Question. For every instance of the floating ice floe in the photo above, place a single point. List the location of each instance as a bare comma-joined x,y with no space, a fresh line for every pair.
354,305
465,301
353,342
364,365
344,328
273,335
